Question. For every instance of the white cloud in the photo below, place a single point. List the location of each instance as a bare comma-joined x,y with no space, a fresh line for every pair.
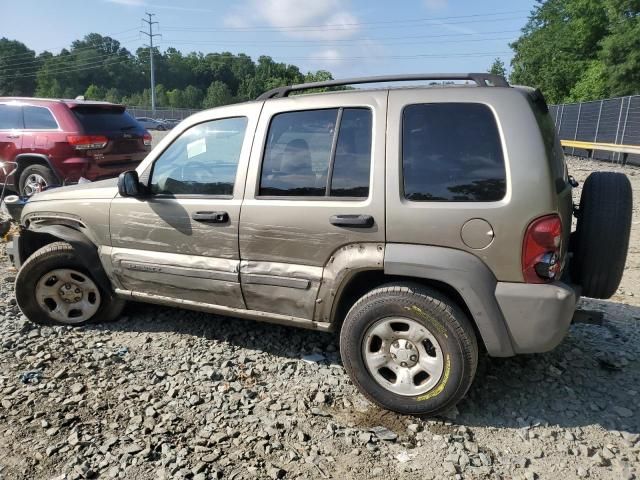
436,4
145,3
329,19
129,3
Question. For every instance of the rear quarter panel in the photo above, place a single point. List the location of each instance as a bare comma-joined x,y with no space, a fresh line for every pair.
530,188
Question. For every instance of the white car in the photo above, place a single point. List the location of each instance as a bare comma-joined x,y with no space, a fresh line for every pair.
152,123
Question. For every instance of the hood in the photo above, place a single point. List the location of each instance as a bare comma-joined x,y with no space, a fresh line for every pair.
101,189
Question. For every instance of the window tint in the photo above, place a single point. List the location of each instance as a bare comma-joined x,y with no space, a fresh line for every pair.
353,154
39,118
10,117
296,159
95,120
452,152
298,155
203,160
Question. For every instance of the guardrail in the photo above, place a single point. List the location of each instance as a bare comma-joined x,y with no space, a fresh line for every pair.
612,123
592,147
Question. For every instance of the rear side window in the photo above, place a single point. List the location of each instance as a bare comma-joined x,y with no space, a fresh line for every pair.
451,152
318,153
100,120
10,117
39,118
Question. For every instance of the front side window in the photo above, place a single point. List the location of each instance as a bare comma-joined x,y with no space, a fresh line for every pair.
318,153
10,117
451,152
39,118
201,161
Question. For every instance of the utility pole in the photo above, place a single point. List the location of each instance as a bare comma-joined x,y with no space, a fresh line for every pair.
150,34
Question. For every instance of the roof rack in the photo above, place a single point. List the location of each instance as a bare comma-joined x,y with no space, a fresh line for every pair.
481,79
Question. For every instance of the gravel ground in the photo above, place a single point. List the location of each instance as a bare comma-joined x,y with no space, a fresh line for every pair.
166,393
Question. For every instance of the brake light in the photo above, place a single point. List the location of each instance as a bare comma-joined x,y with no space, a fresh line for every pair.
147,138
87,142
541,250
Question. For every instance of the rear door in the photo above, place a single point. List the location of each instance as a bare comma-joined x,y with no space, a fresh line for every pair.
315,185
180,242
11,126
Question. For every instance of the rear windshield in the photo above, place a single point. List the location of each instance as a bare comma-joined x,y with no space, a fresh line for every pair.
98,120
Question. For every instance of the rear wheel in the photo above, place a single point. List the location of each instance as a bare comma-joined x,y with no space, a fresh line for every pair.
602,233
35,178
409,349
52,287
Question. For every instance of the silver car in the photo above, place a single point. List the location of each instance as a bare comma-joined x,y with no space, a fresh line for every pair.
425,224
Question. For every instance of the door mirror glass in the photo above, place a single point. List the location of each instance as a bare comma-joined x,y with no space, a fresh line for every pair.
129,184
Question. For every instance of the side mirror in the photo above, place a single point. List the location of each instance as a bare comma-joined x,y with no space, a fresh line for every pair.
129,184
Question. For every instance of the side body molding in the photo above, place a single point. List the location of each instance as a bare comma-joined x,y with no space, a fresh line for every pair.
467,274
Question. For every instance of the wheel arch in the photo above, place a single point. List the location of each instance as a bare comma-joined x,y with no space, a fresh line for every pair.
459,275
32,240
25,159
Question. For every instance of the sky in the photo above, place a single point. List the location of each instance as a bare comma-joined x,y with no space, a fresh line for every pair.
346,37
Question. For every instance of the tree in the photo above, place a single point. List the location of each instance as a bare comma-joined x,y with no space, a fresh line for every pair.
621,49
557,45
94,93
498,68
18,66
217,94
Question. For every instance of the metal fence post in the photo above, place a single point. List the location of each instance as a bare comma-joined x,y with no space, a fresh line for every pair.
618,127
575,135
595,138
561,114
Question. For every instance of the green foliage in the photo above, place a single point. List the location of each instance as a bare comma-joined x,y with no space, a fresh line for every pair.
498,68
17,65
217,94
100,69
580,49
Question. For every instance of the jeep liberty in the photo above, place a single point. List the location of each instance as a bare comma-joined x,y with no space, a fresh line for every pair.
424,223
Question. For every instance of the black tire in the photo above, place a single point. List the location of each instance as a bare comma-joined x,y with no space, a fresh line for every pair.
602,233
43,171
58,255
441,317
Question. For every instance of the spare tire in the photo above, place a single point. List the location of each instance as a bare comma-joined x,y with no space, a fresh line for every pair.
602,233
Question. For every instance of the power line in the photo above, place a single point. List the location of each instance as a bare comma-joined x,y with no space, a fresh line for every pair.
151,23
353,24
36,61
24,54
114,61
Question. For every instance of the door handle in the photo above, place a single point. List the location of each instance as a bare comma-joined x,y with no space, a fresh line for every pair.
211,217
352,221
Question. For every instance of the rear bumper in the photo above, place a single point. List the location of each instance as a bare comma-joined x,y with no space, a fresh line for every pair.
537,316
71,169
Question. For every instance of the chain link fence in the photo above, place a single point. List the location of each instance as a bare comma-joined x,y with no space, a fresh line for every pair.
163,113
614,120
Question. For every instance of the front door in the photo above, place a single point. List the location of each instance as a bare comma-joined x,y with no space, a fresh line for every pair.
315,186
180,241
11,126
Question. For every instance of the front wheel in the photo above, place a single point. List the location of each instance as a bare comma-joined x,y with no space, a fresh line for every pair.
53,288
409,349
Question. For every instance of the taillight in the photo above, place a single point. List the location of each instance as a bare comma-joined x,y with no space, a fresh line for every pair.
541,250
147,138
87,142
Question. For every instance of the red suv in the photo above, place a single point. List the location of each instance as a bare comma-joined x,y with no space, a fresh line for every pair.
58,142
